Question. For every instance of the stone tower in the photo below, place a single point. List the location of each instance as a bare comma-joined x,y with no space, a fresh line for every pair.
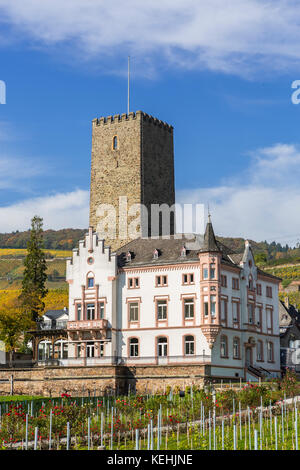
132,156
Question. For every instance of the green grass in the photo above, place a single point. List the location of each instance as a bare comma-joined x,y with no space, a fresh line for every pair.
11,398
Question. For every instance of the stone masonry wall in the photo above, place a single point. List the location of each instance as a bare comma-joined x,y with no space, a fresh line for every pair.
141,168
53,381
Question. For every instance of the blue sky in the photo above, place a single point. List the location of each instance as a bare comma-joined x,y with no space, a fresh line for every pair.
220,74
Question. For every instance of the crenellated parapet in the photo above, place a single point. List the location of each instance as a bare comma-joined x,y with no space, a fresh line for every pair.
117,118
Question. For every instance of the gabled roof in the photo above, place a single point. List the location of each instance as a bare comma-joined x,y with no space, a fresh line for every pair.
56,314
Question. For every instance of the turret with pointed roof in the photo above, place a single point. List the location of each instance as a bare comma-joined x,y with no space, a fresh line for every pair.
210,243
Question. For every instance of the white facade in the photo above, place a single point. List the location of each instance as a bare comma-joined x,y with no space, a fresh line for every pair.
157,312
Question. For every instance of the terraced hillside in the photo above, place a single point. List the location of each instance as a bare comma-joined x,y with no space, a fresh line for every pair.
11,268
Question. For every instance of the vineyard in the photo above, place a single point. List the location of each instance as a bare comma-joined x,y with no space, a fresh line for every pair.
11,270
255,417
288,272
55,299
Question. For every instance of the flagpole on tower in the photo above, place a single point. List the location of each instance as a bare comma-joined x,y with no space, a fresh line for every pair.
128,97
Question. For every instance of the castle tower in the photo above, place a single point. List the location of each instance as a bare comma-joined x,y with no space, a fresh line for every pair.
132,156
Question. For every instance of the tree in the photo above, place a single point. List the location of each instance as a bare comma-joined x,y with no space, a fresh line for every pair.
260,258
34,279
14,322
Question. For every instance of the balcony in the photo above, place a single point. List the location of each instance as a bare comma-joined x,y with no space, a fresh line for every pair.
51,325
84,325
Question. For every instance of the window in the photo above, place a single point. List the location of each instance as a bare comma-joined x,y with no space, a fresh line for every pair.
223,351
134,347
78,312
90,349
188,278
115,142
269,319
259,350
44,350
61,349
251,313
188,309
269,291
78,350
161,306
189,345
205,272
223,309
133,311
258,289
235,283
213,305
133,283
250,283
259,316
90,282
236,348
212,271
101,348
223,280
90,312
162,347
270,351
101,310
161,281
206,305
235,312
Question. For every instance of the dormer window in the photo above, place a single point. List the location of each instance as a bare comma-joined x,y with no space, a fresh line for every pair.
155,254
183,252
115,143
128,256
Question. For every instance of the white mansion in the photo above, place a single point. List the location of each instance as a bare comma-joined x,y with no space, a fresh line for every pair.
155,302
152,303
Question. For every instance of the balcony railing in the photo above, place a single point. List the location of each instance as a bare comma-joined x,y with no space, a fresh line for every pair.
88,324
52,325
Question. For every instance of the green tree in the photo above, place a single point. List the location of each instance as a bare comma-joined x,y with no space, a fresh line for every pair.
34,279
260,258
14,322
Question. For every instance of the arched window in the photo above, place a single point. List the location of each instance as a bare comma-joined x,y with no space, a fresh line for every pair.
250,283
90,280
236,348
115,142
162,346
189,345
44,350
223,345
134,347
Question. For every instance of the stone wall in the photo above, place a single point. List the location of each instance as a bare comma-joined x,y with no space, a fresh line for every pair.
140,168
79,381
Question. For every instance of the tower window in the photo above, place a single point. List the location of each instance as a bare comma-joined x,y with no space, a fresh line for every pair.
115,142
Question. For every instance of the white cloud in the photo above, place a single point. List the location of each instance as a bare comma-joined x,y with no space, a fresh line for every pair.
64,210
16,172
262,203
237,36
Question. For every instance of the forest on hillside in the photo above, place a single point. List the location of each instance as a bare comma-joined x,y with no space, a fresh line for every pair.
67,239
